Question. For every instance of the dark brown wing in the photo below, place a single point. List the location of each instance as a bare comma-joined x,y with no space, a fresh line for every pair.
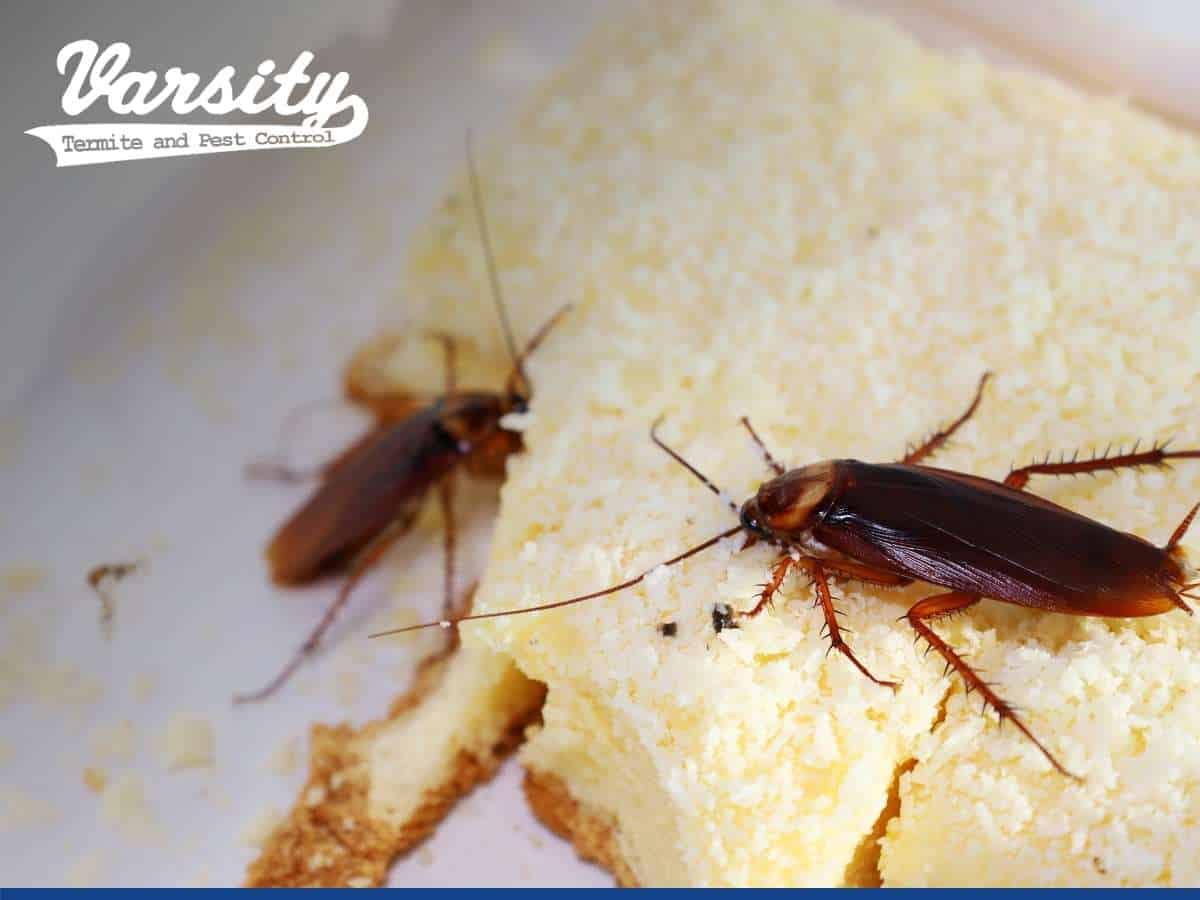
380,480
971,534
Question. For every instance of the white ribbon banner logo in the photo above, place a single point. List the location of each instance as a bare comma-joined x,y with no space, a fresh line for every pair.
95,75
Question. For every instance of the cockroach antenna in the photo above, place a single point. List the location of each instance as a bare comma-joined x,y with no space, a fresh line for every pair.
704,479
489,258
450,623
712,541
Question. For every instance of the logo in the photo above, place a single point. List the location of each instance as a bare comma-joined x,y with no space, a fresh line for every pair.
315,102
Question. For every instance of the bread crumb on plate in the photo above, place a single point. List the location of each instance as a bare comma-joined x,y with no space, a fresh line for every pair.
378,791
188,741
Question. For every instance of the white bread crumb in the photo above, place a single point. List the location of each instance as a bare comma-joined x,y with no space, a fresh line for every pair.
123,805
95,779
189,742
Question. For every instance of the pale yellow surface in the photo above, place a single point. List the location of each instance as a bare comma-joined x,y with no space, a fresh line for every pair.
476,700
774,210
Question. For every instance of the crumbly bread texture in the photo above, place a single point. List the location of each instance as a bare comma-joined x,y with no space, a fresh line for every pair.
592,832
779,210
376,792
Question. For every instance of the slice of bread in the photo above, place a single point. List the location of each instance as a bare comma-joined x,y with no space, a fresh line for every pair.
376,792
778,210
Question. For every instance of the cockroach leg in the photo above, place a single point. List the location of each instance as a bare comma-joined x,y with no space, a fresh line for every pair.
779,571
836,642
848,568
1158,455
941,606
272,468
362,564
449,544
1181,529
776,466
938,439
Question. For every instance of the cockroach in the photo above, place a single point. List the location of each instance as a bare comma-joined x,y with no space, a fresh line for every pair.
371,493
892,524
99,579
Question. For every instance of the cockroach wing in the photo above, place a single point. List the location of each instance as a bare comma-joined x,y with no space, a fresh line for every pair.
978,536
379,481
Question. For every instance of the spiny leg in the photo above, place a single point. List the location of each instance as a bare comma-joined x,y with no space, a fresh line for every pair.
776,466
816,571
1181,529
779,571
938,439
941,606
362,564
848,568
1172,549
1158,455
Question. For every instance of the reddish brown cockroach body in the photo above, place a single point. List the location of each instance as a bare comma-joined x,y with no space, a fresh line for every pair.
896,523
371,493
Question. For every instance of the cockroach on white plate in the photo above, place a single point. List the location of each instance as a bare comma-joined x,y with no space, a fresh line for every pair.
896,523
371,493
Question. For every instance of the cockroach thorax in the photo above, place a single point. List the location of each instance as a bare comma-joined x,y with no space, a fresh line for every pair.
786,504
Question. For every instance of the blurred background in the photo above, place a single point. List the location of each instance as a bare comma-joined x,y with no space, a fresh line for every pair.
157,320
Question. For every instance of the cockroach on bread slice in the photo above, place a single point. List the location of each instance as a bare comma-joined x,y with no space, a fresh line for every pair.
896,523
370,494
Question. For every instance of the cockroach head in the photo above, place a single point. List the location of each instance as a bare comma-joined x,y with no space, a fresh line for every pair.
788,504
752,520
